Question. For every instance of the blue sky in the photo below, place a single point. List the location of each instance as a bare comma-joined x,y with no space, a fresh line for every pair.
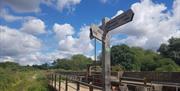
38,31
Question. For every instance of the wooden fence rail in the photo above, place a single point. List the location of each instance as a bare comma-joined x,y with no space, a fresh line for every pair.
92,82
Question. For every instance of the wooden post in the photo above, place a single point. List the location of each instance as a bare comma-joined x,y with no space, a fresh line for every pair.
55,81
106,62
101,33
66,86
78,86
90,88
176,88
145,81
52,79
120,83
59,82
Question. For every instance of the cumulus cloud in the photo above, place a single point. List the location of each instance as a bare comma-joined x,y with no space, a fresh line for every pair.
70,45
24,6
31,59
152,25
84,43
34,58
24,48
34,26
63,30
11,18
62,4
14,43
6,59
67,44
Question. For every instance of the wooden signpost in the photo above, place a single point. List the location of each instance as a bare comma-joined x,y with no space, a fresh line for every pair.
101,33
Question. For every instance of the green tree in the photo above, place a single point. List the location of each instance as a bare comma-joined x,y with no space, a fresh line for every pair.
167,65
138,59
171,50
123,56
76,62
80,62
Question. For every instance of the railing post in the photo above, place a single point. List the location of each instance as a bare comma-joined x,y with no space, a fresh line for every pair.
66,86
120,83
90,88
176,88
59,82
55,81
52,79
78,86
145,81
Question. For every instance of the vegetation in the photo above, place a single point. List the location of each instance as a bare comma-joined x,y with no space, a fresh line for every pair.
76,63
138,59
122,55
18,78
171,50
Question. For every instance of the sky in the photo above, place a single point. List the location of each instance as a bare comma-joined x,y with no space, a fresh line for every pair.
40,31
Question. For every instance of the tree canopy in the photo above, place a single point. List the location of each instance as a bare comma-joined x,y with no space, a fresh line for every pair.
171,50
138,59
77,62
122,55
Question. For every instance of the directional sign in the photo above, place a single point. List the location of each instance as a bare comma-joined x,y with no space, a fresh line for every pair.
101,33
120,20
96,32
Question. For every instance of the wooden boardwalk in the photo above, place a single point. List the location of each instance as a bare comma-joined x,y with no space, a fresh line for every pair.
71,87
77,82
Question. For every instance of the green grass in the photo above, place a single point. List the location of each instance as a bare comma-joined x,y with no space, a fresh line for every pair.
18,80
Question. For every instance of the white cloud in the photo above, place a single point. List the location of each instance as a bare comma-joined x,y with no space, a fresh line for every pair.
69,44
23,48
26,48
63,30
35,58
14,43
6,59
118,13
11,18
84,43
176,11
69,4
24,5
152,25
33,26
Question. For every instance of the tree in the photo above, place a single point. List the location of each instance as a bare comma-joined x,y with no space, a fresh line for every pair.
79,62
167,65
122,55
76,62
171,50
138,59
